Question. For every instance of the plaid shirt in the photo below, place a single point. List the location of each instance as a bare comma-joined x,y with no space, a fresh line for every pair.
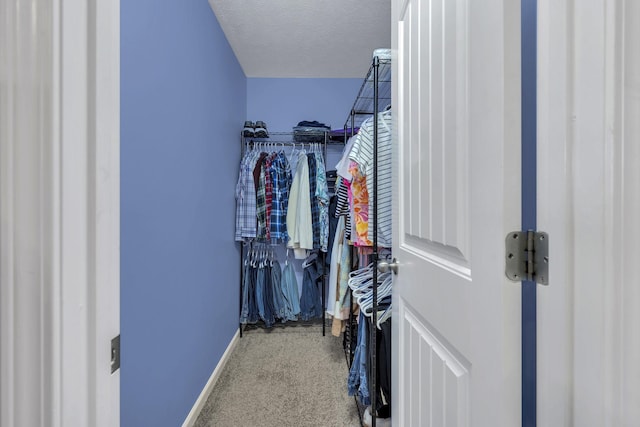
261,207
239,205
268,191
315,208
246,200
281,179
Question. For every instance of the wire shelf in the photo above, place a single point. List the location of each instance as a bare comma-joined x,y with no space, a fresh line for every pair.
363,106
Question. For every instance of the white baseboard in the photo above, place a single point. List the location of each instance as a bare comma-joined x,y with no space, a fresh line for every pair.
202,399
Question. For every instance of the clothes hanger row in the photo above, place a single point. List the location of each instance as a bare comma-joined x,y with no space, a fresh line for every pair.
252,147
259,145
282,143
386,314
361,284
260,255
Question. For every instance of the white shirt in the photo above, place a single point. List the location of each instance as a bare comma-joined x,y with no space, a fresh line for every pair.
299,219
342,168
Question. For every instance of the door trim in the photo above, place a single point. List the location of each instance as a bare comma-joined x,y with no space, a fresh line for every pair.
589,202
59,186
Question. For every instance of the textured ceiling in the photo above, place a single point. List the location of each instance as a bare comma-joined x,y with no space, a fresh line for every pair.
312,38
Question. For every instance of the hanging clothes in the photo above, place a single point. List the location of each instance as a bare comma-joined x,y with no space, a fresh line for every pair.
281,179
279,303
268,293
383,344
261,200
343,298
342,205
338,300
342,168
289,286
333,223
359,207
344,184
334,268
362,154
315,206
246,199
357,382
287,207
322,195
299,219
310,301
249,310
262,196
265,234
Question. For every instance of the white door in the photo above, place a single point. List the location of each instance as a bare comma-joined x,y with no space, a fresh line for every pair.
456,195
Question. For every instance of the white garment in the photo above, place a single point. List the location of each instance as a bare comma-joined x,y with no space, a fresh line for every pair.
336,254
299,219
342,168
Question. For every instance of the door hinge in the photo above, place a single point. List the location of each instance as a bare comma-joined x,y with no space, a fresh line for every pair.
115,354
527,256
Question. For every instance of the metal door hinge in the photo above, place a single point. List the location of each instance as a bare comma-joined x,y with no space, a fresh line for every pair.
115,354
527,256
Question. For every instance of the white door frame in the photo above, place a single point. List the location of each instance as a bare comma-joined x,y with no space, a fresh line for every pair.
59,212
589,202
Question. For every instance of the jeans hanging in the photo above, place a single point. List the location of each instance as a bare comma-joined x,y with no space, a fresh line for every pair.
357,382
279,303
310,301
289,285
250,313
244,312
264,295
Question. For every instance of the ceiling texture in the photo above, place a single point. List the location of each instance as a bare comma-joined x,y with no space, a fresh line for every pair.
312,38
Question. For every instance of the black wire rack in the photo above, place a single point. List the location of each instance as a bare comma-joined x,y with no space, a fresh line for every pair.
374,95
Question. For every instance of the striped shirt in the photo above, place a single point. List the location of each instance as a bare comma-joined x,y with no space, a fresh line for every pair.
342,207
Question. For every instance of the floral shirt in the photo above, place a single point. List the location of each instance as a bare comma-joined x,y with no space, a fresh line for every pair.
359,206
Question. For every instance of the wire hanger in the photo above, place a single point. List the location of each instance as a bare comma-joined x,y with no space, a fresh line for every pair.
384,316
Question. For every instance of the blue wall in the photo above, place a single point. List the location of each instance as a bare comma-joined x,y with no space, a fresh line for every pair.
183,102
325,100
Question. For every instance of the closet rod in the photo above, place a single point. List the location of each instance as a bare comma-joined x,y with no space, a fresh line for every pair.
267,142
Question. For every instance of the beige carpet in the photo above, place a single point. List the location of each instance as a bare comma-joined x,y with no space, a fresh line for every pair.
287,376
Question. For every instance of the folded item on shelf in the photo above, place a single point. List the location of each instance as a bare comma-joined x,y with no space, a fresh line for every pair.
311,124
310,133
382,53
338,134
